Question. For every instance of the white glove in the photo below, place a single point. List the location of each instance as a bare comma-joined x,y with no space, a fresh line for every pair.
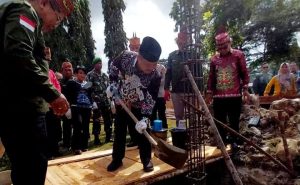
113,107
141,126
68,114
94,106
109,92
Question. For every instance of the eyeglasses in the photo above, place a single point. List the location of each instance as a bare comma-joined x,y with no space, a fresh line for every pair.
265,67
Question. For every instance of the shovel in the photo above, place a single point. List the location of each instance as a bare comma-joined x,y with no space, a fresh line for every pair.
169,154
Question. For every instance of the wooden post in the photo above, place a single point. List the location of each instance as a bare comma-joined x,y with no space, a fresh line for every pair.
288,157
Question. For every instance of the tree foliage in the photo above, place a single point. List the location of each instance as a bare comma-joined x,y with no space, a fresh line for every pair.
264,30
115,36
273,23
73,38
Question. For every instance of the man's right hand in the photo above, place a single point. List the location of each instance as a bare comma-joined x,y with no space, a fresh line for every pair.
60,105
208,98
111,91
141,126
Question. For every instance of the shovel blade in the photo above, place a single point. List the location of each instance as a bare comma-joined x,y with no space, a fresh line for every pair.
170,154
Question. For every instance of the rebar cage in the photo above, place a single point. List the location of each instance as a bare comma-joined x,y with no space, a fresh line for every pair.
190,22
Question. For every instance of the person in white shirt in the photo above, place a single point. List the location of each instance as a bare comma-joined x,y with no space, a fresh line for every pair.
159,109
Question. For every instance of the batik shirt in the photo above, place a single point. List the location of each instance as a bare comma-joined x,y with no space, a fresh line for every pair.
135,87
228,75
100,83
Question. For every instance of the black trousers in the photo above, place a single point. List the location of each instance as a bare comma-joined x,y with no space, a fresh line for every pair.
132,132
80,122
160,109
54,132
67,131
24,137
121,122
228,109
105,112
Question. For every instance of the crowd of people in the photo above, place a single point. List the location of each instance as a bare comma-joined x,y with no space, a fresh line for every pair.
55,108
285,83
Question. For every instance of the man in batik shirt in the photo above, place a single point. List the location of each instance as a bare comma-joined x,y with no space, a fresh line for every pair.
138,82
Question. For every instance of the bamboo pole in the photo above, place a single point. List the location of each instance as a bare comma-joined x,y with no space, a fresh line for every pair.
218,138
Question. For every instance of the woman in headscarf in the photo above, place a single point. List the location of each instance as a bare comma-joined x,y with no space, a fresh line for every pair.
284,82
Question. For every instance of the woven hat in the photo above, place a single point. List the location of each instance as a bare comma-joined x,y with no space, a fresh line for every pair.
134,40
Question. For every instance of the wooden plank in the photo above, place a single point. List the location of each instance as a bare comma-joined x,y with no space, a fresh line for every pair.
82,157
213,152
98,168
124,174
133,155
50,178
72,173
93,171
55,178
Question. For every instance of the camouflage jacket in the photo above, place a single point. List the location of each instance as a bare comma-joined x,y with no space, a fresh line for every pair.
175,72
100,83
25,74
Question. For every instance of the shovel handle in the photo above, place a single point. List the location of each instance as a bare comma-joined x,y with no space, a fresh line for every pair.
151,140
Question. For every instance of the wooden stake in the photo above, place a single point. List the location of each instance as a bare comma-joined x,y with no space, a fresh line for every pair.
288,157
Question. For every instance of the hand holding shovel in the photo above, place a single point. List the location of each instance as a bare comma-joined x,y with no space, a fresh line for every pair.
166,152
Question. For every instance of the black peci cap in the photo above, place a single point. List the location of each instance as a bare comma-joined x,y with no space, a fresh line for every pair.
150,49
